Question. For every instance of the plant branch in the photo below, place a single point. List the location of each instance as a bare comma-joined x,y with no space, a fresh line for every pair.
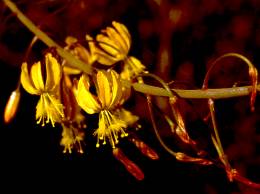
196,94
140,87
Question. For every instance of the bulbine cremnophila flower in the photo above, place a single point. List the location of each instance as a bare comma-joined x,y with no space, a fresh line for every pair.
12,105
114,45
49,107
109,92
73,124
72,138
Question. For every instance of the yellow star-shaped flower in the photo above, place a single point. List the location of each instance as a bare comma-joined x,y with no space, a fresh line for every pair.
114,45
109,92
49,107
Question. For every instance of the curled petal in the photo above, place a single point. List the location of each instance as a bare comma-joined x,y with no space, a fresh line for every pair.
26,81
116,89
36,74
85,99
114,44
131,167
124,33
120,42
253,74
71,71
108,45
53,72
104,88
92,49
105,59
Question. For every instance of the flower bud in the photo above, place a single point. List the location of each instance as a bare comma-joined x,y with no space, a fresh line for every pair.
11,106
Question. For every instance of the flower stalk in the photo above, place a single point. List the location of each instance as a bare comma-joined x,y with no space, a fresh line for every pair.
104,91
140,87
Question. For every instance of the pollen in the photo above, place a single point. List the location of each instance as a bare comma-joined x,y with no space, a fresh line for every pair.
110,128
49,109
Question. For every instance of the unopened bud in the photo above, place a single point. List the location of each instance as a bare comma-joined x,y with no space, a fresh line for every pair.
11,106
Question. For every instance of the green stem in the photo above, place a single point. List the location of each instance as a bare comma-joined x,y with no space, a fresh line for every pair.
196,94
140,87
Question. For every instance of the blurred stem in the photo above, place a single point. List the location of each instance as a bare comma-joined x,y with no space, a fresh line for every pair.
213,119
140,87
217,143
76,63
149,103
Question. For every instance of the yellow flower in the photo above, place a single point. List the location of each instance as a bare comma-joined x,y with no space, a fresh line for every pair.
114,43
132,68
49,107
80,52
110,127
108,88
72,138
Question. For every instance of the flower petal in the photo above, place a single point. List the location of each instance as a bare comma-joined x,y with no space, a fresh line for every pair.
135,65
108,45
118,40
85,99
92,48
36,74
104,89
124,33
53,72
26,81
71,71
116,89
104,58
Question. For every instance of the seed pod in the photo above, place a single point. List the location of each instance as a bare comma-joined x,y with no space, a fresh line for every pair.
144,148
131,167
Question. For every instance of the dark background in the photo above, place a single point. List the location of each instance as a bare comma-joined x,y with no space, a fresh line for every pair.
192,34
